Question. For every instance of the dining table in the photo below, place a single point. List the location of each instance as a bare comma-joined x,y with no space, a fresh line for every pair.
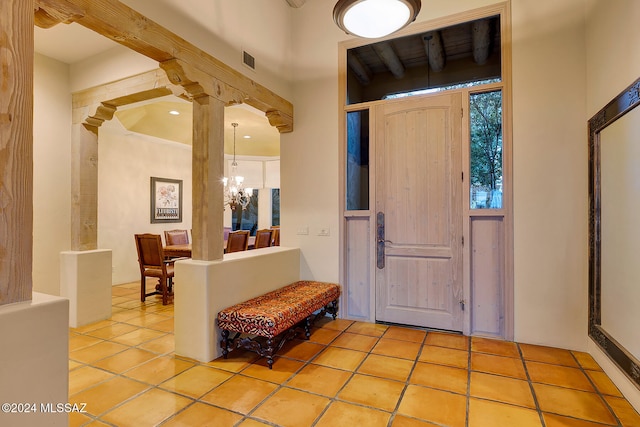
184,250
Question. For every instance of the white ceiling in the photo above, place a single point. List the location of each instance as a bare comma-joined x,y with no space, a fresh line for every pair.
254,135
70,43
73,43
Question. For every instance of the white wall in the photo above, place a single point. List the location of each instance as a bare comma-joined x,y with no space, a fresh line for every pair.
550,173
613,63
51,171
111,65
261,27
309,155
613,58
34,361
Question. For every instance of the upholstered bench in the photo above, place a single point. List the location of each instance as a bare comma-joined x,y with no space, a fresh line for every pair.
277,316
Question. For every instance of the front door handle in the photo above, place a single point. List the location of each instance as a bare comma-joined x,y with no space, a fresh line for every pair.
380,241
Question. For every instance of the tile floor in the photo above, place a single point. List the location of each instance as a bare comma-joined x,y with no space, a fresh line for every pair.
347,374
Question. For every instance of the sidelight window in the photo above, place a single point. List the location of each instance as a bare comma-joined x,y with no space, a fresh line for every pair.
357,158
485,122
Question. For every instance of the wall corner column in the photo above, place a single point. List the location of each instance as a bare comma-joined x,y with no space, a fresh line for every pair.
16,151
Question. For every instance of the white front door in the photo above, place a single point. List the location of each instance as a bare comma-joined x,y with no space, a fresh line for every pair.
419,206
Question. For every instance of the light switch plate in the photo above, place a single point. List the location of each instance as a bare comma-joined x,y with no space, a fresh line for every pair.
324,231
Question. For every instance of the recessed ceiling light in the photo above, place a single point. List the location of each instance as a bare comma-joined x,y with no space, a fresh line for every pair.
174,113
247,137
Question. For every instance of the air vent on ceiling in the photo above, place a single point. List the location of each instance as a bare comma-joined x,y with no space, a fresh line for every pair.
248,60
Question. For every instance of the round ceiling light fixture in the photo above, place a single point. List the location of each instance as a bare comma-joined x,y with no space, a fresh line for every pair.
374,18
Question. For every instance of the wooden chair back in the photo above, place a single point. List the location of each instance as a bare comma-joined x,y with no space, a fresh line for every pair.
263,238
153,264
276,235
238,241
176,237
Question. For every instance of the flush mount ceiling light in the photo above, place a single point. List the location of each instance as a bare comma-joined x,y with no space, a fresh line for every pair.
374,18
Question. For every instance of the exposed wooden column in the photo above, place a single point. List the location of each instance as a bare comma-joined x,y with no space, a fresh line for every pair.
84,187
16,151
208,170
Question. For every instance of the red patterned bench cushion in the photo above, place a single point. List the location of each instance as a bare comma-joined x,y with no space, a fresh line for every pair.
273,313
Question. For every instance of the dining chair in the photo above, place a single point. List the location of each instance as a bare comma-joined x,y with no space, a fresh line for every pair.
153,264
263,238
237,241
176,237
276,235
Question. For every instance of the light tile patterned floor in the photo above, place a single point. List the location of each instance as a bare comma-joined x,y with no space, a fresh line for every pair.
347,374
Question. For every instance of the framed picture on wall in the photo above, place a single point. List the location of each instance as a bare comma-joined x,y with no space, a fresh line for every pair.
166,200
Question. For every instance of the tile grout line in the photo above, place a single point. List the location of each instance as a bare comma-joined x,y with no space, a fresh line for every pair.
530,382
408,380
149,386
284,384
597,390
334,398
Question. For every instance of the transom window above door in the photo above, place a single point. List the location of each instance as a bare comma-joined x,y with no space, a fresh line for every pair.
462,53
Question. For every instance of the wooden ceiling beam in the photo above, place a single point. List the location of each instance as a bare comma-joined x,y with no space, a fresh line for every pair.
42,19
47,17
296,3
197,83
361,71
129,28
435,50
481,40
388,56
94,106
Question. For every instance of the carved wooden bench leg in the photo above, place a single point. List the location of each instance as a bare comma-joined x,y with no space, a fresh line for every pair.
307,327
269,352
334,309
225,343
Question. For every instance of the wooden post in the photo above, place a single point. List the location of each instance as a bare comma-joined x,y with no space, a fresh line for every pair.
16,151
84,188
208,170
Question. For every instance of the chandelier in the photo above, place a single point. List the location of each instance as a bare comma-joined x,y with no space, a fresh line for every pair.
234,192
374,18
